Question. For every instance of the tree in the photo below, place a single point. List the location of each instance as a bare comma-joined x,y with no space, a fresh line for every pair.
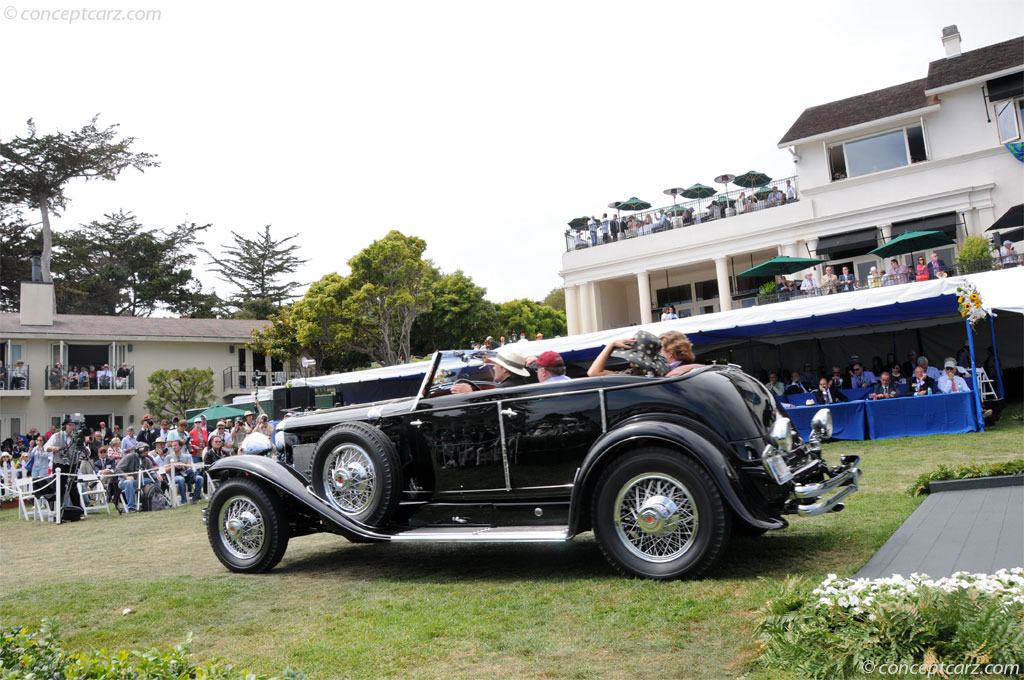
311,327
388,288
458,314
118,267
174,391
17,241
556,299
34,170
253,267
529,317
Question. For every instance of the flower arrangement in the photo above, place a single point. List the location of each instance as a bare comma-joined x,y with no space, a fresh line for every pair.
969,303
844,627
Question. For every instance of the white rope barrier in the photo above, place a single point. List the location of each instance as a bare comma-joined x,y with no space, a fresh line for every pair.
105,477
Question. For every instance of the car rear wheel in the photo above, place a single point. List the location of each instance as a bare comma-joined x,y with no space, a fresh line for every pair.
658,514
247,526
355,468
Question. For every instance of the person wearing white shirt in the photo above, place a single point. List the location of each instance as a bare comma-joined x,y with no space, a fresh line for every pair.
951,382
809,284
790,191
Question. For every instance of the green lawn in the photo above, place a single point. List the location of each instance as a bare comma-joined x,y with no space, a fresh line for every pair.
335,610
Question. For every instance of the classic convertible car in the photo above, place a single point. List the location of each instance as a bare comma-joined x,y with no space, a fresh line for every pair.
662,470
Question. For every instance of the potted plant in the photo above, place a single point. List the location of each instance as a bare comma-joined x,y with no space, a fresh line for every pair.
767,291
975,255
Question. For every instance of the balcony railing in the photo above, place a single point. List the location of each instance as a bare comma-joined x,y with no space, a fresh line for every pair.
104,380
665,218
235,379
886,280
16,378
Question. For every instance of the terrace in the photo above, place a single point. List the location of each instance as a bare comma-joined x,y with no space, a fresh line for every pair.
680,215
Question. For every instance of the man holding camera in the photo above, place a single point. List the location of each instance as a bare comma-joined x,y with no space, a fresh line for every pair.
60,445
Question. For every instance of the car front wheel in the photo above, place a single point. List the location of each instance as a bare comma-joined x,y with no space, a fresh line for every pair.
658,514
247,526
355,468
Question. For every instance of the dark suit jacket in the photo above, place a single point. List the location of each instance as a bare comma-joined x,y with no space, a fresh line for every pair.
836,396
912,386
793,389
892,389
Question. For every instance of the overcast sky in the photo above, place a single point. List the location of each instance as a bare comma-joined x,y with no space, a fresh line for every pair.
480,127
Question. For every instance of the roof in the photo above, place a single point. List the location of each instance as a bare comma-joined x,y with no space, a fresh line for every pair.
975,64
120,327
892,101
863,108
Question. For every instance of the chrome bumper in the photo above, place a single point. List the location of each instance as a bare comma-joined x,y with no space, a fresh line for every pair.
844,482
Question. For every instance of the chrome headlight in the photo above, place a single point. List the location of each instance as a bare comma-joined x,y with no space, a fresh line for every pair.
821,423
782,434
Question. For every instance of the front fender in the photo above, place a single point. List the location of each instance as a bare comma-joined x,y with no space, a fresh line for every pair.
291,484
676,436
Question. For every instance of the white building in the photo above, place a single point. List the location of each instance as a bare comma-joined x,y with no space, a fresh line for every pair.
39,348
928,154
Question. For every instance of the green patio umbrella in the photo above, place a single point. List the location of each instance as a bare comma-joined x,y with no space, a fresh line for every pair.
579,222
763,191
911,242
751,179
215,413
700,191
725,199
676,210
782,264
634,203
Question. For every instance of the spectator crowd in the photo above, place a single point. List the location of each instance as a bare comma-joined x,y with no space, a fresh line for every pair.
161,452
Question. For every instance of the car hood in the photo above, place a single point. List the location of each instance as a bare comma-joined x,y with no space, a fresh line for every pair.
342,414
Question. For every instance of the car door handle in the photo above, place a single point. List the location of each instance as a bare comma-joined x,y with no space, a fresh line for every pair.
416,423
509,412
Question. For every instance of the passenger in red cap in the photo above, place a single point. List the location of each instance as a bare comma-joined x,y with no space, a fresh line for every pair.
551,367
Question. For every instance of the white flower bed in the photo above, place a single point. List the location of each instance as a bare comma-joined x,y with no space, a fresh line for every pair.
856,595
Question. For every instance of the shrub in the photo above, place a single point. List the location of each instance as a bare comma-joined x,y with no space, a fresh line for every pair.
28,655
975,254
971,470
845,626
767,288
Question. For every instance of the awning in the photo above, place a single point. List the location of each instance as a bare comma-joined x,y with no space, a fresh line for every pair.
945,223
862,239
1014,217
1006,87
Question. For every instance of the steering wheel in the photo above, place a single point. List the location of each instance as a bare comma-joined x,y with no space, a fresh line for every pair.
467,381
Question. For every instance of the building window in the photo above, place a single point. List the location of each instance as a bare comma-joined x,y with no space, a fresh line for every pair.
1010,118
877,153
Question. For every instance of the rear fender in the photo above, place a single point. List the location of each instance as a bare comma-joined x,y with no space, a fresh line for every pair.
660,433
290,484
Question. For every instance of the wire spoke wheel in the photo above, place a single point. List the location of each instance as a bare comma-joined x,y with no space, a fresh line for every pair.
350,477
242,528
655,517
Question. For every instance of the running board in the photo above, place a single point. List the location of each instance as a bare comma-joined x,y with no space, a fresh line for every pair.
522,534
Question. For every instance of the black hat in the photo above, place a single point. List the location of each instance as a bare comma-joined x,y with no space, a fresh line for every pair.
645,354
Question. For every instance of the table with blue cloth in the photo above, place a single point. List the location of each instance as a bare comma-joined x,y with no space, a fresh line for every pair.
915,416
847,419
855,394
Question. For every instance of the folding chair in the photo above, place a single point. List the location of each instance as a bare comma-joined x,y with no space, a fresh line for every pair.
91,488
23,489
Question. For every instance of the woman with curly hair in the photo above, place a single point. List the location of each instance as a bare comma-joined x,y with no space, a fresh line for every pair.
678,351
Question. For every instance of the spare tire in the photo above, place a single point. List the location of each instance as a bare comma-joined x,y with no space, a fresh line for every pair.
355,468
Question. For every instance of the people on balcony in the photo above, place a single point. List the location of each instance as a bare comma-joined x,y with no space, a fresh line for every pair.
1007,254
121,379
829,282
55,379
937,267
19,376
847,281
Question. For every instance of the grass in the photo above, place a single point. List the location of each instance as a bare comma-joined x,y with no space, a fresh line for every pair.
338,610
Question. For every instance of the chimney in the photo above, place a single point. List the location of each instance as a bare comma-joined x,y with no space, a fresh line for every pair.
951,41
38,302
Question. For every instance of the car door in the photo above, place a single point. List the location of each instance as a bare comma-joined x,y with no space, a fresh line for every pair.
548,431
458,438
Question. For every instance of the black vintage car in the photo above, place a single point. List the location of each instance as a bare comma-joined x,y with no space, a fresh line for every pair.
663,470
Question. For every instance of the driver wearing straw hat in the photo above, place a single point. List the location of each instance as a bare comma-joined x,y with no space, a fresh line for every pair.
509,367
